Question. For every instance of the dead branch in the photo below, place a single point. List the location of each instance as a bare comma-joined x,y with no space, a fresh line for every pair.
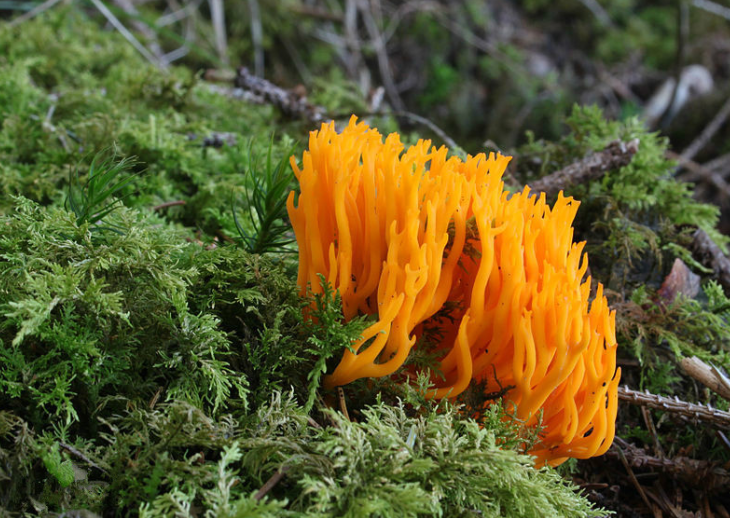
697,171
696,473
708,375
430,125
269,485
683,409
710,255
291,103
38,9
707,133
153,43
381,54
616,154
257,36
131,38
80,455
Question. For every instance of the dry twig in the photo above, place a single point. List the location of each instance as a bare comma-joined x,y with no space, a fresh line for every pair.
269,485
708,375
683,409
707,133
80,455
154,45
257,36
712,7
131,38
343,403
381,54
616,154
291,103
33,12
218,20
710,255
697,171
694,473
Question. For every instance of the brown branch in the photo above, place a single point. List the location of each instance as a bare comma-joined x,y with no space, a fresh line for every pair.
685,410
269,485
697,171
291,103
80,455
343,403
695,473
709,132
617,154
710,255
708,375
622,457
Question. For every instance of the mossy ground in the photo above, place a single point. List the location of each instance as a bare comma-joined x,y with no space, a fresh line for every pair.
151,365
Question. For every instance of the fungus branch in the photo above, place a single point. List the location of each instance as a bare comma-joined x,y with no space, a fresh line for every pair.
388,229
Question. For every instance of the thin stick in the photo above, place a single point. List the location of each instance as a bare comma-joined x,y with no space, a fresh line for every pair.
707,133
708,375
598,11
682,35
257,37
712,7
711,256
697,172
343,402
124,32
438,131
696,473
269,485
218,19
33,13
683,409
632,477
381,54
80,455
128,7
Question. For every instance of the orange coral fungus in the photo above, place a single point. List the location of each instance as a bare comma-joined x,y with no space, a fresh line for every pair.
390,230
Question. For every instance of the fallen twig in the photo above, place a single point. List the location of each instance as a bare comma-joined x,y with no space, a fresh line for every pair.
709,132
710,255
708,375
80,455
269,485
291,103
676,406
697,171
696,473
131,38
381,54
38,9
616,154
430,125
343,403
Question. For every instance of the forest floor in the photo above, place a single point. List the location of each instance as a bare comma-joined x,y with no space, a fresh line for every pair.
158,353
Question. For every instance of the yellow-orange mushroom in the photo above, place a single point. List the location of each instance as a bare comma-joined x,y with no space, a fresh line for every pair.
387,227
